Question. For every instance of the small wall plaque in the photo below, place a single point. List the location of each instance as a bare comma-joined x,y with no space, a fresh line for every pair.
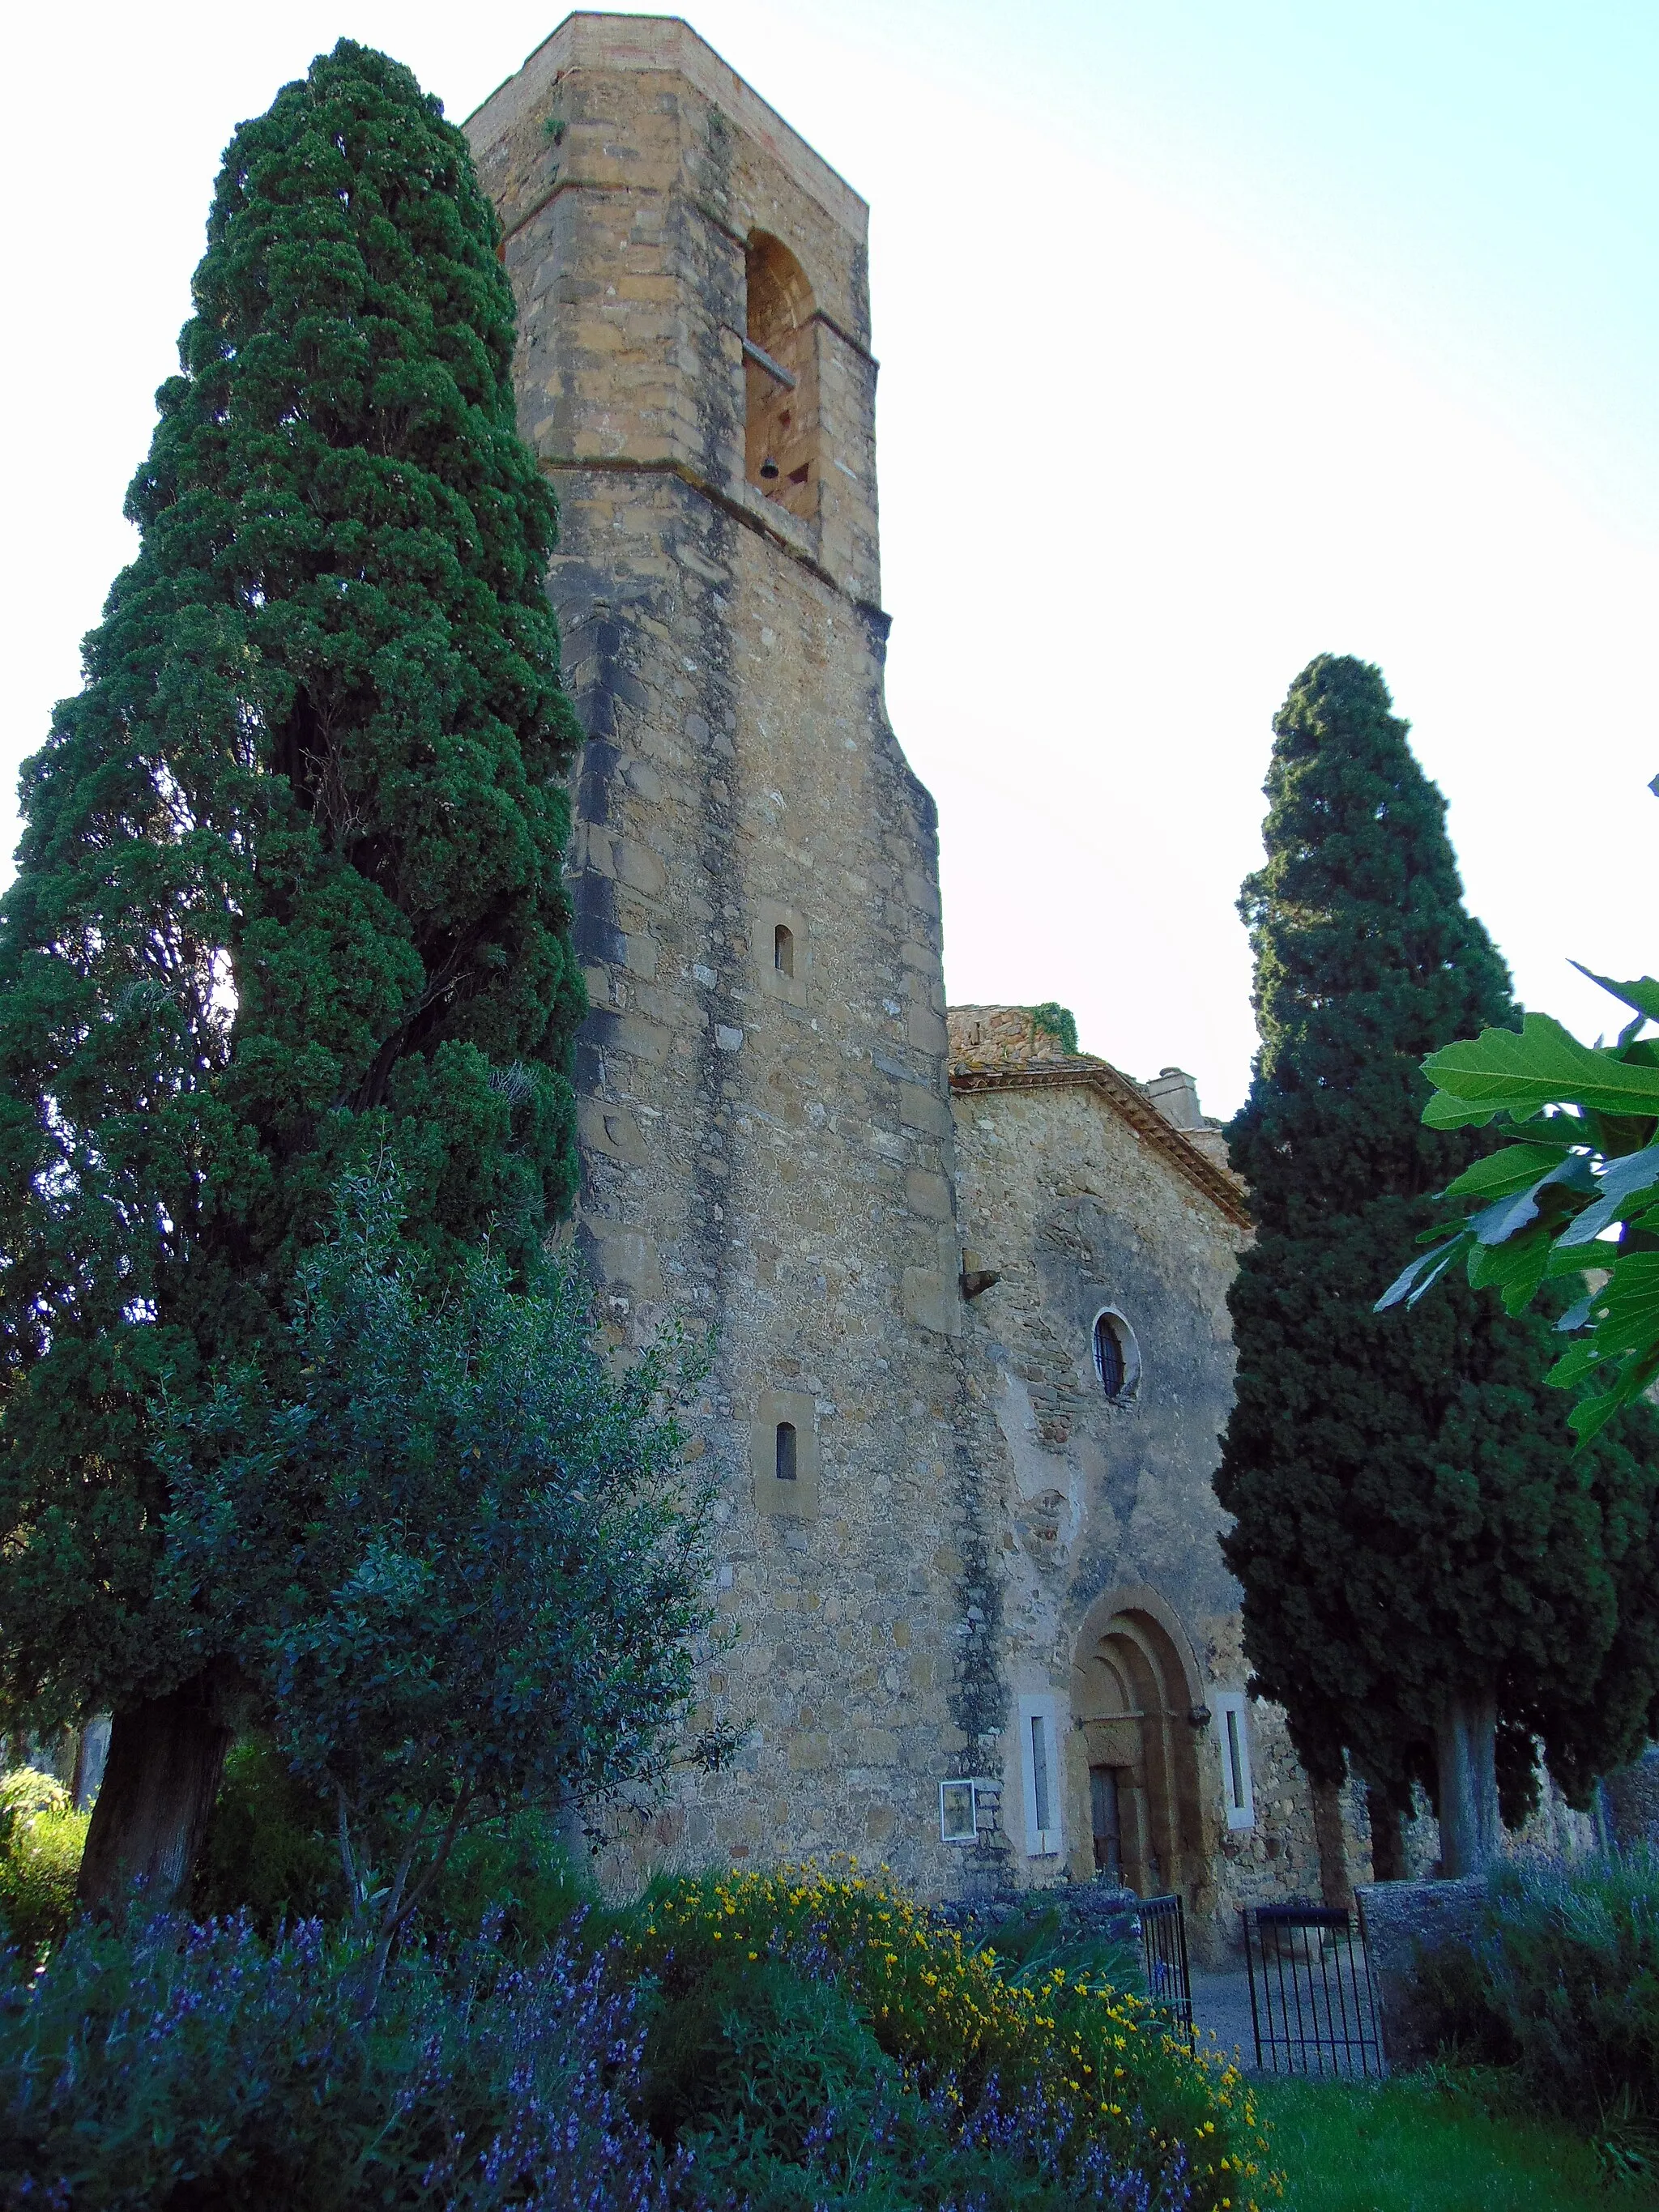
957,1823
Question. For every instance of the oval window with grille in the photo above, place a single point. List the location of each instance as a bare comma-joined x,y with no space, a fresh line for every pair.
1117,1357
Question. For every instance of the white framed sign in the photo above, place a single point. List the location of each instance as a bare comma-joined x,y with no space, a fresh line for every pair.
957,1822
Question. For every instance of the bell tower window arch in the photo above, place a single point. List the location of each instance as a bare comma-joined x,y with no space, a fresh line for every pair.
780,378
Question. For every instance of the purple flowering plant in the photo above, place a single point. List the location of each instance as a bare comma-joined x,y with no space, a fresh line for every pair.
173,2063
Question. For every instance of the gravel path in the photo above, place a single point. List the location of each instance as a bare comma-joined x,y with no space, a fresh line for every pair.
1221,2007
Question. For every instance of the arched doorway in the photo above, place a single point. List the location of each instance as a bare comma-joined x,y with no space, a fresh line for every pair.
1135,1686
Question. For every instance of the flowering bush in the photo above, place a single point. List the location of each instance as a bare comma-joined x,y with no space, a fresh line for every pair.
1082,2087
792,2043
41,1836
198,2064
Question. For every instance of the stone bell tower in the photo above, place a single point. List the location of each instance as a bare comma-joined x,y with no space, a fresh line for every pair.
765,1114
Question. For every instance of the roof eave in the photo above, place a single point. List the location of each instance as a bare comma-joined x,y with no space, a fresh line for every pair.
1128,1100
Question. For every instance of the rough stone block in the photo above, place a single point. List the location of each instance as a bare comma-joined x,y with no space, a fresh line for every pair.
640,1039
626,1257
922,893
1632,1798
928,1194
640,868
931,1301
923,1109
1403,1921
612,1130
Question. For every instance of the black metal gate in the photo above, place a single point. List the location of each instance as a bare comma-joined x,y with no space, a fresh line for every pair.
1311,2004
1164,1947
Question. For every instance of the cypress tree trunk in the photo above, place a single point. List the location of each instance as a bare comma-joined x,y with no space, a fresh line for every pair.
165,1760
1388,1837
1335,1881
1465,1743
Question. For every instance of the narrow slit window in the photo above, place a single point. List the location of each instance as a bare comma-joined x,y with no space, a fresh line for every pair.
1231,1709
786,1455
783,949
1041,1781
1039,1770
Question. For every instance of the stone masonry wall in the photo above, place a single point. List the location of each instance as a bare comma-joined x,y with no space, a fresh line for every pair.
1076,1210
775,1160
769,1154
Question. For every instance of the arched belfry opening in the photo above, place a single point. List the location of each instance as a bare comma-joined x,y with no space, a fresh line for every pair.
780,379
1135,1688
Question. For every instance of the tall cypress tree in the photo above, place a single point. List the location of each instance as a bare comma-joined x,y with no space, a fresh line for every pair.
1432,1577
289,890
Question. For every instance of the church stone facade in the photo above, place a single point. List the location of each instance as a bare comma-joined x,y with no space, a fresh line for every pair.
970,1349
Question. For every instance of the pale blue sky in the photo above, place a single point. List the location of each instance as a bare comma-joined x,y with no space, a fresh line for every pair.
1212,336
1481,181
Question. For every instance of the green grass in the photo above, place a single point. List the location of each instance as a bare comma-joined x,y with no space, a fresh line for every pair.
1412,2145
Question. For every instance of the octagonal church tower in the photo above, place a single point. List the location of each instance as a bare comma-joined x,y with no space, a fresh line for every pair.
765,1109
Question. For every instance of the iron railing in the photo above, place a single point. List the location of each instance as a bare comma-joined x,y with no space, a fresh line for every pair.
1164,1947
1312,2008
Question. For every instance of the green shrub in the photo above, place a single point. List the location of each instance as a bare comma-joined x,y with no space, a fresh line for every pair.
1454,1988
462,1565
41,1840
271,1852
774,2082
521,1874
1055,1022
1044,2087
1564,1983
1032,1941
778,2044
